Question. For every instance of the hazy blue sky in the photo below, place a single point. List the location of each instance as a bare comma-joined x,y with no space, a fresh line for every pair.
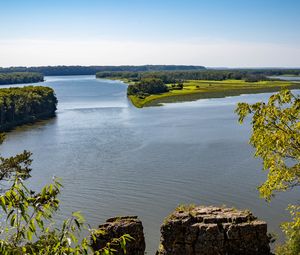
114,32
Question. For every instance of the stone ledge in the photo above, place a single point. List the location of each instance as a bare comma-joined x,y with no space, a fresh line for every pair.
194,230
211,230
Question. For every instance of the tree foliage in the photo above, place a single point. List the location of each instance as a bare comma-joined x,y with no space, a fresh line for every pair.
292,232
147,86
276,139
20,77
19,105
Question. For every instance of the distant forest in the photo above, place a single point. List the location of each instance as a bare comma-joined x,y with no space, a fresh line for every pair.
167,73
18,77
26,104
92,70
250,75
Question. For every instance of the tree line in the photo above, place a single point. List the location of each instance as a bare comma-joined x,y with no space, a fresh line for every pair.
250,75
26,104
20,77
175,76
129,69
92,70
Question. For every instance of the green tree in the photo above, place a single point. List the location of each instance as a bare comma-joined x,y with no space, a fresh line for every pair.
29,227
147,86
276,139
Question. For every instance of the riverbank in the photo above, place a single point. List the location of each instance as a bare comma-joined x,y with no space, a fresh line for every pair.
203,89
28,120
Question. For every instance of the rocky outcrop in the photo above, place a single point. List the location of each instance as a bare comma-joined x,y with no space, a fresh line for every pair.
213,231
118,226
193,230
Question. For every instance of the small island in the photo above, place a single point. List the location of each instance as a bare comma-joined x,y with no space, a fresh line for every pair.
155,88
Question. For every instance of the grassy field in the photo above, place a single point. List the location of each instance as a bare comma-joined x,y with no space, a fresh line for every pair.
197,89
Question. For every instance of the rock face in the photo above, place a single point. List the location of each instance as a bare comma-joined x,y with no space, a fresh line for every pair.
118,226
213,231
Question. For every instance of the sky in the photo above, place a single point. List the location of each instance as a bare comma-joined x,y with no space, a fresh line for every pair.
213,33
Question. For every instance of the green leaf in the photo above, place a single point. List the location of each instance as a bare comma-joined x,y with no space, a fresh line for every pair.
77,223
10,213
3,203
78,216
29,235
13,220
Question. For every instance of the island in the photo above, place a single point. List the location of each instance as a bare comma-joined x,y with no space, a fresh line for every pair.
155,88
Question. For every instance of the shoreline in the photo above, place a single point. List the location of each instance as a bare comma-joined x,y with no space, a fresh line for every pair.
29,120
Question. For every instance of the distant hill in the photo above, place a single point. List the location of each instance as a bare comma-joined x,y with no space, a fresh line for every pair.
90,70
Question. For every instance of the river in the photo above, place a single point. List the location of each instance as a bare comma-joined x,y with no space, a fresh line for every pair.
115,159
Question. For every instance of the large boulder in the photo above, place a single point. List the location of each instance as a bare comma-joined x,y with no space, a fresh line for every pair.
212,230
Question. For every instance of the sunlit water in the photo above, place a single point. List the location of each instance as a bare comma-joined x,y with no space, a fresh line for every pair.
115,159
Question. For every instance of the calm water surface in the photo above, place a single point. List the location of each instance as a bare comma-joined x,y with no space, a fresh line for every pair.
287,78
115,159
